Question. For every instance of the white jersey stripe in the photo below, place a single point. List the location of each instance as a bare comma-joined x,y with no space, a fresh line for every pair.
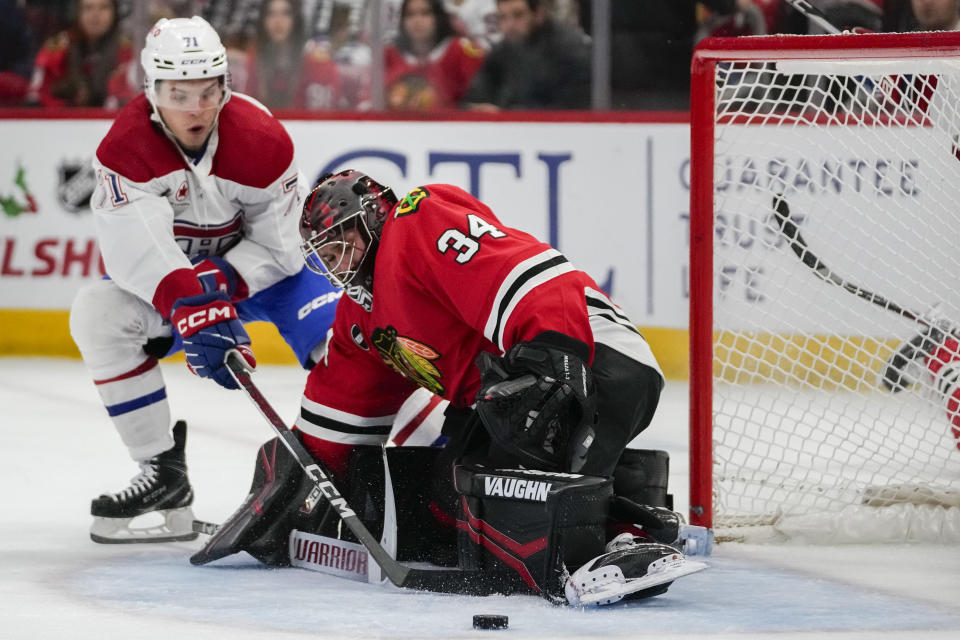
509,295
330,435
605,302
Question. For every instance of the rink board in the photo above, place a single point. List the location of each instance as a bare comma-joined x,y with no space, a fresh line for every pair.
612,195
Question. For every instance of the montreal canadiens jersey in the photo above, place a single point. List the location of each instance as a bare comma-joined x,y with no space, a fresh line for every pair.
450,281
156,208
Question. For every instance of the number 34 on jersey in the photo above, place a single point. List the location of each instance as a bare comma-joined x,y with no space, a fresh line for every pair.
466,246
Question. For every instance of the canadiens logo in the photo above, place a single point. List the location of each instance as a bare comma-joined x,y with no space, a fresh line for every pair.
411,202
181,194
409,358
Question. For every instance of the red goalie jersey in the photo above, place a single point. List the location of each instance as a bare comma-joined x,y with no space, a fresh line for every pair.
450,281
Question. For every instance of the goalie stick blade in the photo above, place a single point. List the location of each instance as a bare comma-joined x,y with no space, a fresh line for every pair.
459,582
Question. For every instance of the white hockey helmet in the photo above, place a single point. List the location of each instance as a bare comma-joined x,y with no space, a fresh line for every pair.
183,49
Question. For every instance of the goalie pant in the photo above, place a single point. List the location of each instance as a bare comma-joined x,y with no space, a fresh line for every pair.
944,366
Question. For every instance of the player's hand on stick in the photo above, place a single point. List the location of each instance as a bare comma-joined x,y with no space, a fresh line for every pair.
210,328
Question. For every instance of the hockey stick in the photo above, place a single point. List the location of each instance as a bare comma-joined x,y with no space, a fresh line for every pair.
440,580
814,15
799,246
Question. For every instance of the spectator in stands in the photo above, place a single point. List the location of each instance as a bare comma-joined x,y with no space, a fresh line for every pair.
539,64
651,47
235,20
852,15
334,30
475,19
284,71
16,54
73,67
46,18
427,66
747,19
936,15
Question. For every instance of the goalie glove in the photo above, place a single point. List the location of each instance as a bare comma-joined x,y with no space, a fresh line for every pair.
538,402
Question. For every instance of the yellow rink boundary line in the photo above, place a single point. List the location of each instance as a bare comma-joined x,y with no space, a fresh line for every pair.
32,332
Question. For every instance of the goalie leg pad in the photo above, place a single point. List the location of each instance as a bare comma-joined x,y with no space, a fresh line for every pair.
525,528
420,475
262,523
641,475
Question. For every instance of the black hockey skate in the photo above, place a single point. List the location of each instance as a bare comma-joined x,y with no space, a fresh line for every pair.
631,569
905,366
161,488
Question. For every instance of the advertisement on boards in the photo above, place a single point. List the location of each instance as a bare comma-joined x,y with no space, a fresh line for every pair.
612,196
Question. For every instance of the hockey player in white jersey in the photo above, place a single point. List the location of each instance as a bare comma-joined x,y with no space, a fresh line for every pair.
196,212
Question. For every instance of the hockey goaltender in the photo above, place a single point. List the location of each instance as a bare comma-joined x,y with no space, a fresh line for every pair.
548,381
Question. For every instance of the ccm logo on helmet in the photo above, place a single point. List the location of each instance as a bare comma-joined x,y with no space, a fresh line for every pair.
204,317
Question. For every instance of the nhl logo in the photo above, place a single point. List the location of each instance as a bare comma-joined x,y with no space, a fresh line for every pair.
75,184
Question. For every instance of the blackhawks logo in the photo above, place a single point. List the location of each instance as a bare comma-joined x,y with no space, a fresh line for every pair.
409,358
411,202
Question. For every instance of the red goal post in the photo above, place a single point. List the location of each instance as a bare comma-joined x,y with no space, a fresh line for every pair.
825,123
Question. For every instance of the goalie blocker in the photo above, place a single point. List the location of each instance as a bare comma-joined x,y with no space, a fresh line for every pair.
523,531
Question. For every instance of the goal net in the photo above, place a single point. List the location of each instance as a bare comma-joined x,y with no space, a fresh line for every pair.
825,233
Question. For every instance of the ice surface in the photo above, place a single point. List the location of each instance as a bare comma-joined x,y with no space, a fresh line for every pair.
59,450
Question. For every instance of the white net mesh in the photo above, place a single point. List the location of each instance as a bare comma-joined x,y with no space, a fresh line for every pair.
861,157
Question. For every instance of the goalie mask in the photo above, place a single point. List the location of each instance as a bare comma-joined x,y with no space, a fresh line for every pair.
340,227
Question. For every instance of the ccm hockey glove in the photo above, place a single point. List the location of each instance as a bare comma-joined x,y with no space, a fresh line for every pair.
210,328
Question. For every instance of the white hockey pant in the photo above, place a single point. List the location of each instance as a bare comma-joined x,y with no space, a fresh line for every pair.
110,327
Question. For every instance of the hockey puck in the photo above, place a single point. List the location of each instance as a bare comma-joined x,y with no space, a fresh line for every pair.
490,622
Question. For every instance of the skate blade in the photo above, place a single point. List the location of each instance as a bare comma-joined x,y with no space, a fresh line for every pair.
603,590
177,526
